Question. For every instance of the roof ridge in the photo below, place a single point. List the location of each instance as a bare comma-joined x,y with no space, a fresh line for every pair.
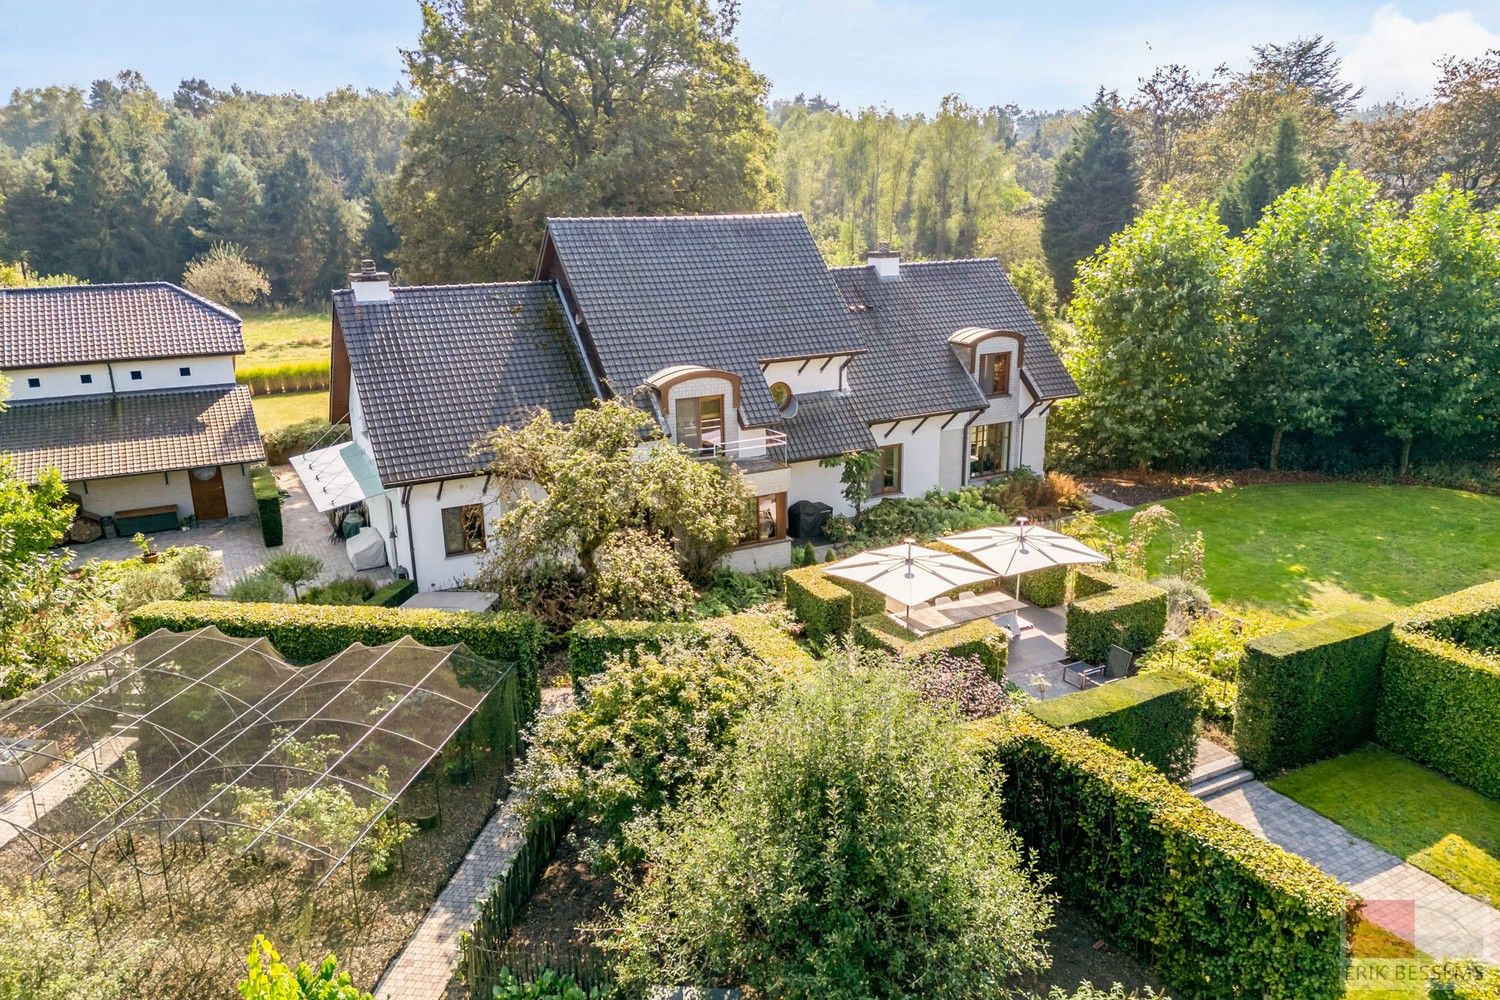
922,263
691,217
548,282
117,286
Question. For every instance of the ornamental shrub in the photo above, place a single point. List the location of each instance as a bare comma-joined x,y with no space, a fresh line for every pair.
827,606
853,848
141,583
1109,609
1214,909
1150,716
652,728
294,568
270,978
636,575
594,643
259,587
764,637
196,566
1046,588
344,590
267,504
548,985
307,633
981,639
1309,693
1439,705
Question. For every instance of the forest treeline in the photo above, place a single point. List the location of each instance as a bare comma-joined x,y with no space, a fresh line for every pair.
452,180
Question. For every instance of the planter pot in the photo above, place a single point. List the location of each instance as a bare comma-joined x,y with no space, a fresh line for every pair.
150,557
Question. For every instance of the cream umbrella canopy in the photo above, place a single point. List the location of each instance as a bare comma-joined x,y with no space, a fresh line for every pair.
1022,548
909,573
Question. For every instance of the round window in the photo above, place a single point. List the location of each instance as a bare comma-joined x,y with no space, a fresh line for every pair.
782,394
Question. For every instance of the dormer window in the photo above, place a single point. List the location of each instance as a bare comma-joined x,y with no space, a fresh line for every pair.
700,421
994,374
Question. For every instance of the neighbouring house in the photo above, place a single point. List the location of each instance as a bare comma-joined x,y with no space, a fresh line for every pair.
128,390
731,331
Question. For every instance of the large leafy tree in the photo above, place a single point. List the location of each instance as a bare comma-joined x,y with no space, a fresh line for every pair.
571,488
1309,64
531,108
1151,346
1438,361
1093,193
1309,294
854,848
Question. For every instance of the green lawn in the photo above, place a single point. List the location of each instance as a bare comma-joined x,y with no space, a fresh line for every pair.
1443,828
275,337
1302,550
285,408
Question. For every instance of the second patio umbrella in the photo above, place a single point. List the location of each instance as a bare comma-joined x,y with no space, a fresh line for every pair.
1022,548
909,573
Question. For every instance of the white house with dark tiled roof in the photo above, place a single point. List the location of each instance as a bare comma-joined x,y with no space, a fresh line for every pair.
129,391
735,336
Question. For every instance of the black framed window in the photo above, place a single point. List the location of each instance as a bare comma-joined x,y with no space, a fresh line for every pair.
994,374
33,383
184,371
86,378
989,450
463,529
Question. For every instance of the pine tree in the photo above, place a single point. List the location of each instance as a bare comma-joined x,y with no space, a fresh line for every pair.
1261,179
1093,193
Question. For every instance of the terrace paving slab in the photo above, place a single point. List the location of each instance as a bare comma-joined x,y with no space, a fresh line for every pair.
1400,897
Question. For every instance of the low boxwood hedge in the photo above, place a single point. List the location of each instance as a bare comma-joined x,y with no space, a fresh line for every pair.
393,594
981,638
593,642
1046,588
267,504
1440,706
1110,609
1214,909
1152,716
1310,692
760,637
827,606
307,633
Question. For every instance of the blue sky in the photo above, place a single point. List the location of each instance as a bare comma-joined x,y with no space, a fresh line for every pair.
904,54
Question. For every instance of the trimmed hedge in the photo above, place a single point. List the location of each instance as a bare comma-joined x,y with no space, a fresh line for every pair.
1110,609
1151,716
1046,588
393,594
827,606
759,636
307,633
593,642
1214,909
286,376
267,504
1310,692
1440,706
1467,618
981,638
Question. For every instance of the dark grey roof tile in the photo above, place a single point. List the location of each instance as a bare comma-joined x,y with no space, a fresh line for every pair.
97,437
76,324
441,365
825,424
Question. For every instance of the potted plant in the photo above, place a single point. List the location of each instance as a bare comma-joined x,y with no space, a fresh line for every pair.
148,551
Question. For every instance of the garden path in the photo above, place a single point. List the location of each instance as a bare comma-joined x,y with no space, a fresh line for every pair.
1100,502
1403,899
428,962
59,786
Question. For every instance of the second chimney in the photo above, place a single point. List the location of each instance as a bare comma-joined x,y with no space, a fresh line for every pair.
370,285
885,261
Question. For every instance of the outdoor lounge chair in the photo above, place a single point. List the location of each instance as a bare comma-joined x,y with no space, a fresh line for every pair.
1083,675
1121,662
938,602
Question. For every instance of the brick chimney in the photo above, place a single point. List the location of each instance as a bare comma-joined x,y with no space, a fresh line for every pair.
370,285
885,261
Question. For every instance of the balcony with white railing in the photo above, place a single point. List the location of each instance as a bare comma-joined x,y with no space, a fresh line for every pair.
757,447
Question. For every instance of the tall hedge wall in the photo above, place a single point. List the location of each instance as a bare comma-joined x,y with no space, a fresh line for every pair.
1113,609
1440,706
1046,588
1466,618
267,504
1151,716
981,638
1310,692
1216,910
306,633
827,606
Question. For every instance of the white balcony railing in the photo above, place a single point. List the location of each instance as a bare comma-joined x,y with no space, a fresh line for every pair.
752,445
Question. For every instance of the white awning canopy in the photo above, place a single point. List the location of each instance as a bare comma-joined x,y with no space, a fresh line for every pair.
909,573
337,476
1022,548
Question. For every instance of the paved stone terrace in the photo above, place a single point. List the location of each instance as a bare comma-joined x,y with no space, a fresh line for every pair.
1400,897
61,782
237,540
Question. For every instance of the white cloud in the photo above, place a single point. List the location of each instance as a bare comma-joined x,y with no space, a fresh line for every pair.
1396,57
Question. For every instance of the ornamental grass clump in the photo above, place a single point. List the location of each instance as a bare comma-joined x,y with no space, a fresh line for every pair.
854,848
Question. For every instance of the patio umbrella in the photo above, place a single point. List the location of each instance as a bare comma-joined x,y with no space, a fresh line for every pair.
909,573
1021,548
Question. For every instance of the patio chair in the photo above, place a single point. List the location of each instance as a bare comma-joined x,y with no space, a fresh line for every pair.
938,602
1121,662
1082,675
964,595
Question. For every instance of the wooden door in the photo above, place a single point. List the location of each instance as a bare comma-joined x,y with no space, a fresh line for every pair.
208,494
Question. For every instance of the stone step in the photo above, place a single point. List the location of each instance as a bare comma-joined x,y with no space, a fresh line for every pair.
1213,768
1220,784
